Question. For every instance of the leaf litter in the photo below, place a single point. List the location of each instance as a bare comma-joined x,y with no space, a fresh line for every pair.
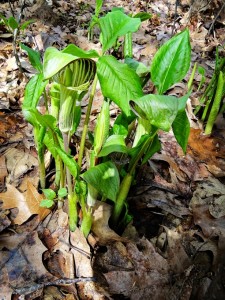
178,205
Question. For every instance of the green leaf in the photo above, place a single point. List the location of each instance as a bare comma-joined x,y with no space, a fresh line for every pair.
13,23
49,194
44,120
122,83
4,19
33,91
102,127
26,24
62,192
114,25
154,147
115,143
143,127
143,16
160,110
80,53
120,126
171,62
46,203
104,178
54,61
50,144
68,161
98,7
183,101
34,57
181,129
118,8
138,67
133,152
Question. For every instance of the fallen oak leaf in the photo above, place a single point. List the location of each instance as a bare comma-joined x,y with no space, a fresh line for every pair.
33,199
27,203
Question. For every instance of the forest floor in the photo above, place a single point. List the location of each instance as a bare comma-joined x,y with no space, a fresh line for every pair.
175,246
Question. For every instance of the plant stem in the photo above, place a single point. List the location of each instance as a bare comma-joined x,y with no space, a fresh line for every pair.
86,122
68,175
210,90
46,101
216,105
190,81
73,216
121,198
128,47
72,197
39,134
135,160
126,183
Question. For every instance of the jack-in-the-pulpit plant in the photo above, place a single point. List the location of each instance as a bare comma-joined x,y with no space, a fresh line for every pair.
115,151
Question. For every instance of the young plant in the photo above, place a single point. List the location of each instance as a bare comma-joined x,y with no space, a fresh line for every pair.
12,24
15,27
51,197
211,102
116,151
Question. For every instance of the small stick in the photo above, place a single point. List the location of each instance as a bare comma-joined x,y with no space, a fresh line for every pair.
37,286
15,34
175,15
216,17
11,8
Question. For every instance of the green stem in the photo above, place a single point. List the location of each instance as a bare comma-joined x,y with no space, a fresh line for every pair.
86,122
210,90
68,175
46,101
58,168
73,216
121,198
42,171
133,163
127,181
216,105
204,114
39,134
190,81
72,197
128,47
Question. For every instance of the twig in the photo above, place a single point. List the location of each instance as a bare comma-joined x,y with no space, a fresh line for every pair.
15,34
175,15
85,253
11,8
63,281
216,17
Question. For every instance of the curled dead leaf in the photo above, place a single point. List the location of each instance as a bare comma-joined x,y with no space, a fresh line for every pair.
27,203
100,226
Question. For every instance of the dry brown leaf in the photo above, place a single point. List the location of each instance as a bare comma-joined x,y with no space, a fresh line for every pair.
24,265
81,253
148,280
28,203
178,259
206,147
100,226
3,172
33,199
204,205
19,163
59,264
33,250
